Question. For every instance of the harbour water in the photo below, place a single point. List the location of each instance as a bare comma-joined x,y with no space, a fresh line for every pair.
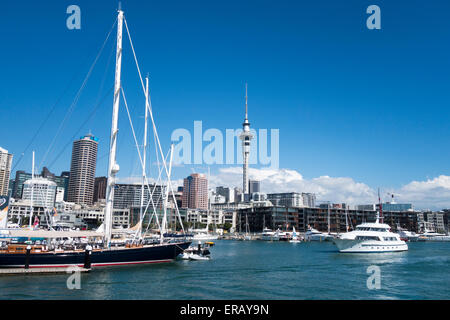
257,270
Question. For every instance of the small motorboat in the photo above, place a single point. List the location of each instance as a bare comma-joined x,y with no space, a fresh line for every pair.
199,252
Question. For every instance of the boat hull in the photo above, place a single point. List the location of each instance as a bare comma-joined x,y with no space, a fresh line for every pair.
318,237
116,256
364,246
270,238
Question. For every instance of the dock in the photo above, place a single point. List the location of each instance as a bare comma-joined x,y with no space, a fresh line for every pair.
23,271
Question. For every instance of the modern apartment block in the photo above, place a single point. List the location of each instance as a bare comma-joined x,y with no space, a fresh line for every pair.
5,171
275,217
309,200
195,192
82,170
288,199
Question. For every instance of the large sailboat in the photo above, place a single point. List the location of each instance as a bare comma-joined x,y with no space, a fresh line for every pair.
99,253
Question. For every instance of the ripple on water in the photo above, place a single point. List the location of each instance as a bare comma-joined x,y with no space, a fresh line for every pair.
258,270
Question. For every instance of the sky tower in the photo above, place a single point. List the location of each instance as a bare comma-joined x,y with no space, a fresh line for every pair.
245,136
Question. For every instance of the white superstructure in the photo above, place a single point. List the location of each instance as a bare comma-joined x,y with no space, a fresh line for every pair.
269,235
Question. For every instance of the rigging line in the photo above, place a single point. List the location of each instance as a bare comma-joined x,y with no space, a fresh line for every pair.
151,196
155,133
81,127
153,192
143,88
51,112
137,145
45,121
77,96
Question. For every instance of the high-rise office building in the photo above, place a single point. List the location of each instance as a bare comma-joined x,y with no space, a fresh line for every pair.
21,177
129,196
5,171
195,192
100,188
254,186
82,170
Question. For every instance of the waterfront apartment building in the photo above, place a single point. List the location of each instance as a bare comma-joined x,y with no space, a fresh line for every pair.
284,218
5,171
82,170
195,192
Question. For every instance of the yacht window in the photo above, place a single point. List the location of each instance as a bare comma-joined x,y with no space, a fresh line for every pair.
367,238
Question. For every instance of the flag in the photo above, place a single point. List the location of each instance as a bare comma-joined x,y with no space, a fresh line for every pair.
36,221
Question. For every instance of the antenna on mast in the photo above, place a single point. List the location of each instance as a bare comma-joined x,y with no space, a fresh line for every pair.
246,108
120,6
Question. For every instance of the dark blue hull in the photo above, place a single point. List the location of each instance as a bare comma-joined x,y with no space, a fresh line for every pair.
122,256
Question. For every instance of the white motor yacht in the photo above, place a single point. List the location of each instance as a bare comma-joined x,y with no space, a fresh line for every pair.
269,235
370,237
315,235
406,235
433,236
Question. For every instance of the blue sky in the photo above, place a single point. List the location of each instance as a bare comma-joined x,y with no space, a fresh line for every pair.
371,105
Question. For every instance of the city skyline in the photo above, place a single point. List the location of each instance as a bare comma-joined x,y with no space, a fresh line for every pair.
370,131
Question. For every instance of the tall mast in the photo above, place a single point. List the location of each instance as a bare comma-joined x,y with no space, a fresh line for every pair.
328,218
32,192
113,167
166,196
346,218
144,157
380,215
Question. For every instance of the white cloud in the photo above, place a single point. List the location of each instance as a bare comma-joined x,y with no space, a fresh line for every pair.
432,193
287,180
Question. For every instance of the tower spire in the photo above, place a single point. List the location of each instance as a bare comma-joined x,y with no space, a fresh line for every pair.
246,105
246,136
